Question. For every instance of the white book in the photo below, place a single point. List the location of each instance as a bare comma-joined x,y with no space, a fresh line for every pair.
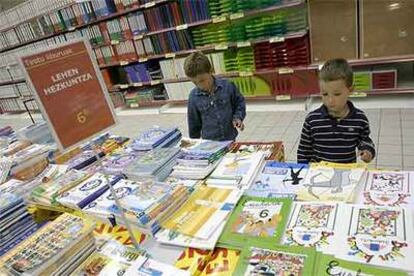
146,266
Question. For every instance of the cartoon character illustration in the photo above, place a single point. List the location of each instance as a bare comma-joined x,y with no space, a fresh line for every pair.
294,176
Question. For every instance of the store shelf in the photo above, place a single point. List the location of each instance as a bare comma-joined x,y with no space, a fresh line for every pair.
206,49
12,82
378,92
381,61
98,20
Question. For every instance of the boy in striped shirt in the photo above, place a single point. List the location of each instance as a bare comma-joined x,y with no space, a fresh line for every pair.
335,130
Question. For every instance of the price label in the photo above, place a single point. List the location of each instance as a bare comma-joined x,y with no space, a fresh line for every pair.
82,116
245,74
181,27
155,82
114,42
236,15
142,59
149,4
243,44
283,97
219,19
123,62
277,39
285,71
358,95
221,47
134,105
137,84
136,37
170,55
123,86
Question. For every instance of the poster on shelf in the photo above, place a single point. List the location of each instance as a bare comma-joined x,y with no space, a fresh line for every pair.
70,92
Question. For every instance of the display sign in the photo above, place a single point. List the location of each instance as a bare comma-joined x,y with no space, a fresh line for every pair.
70,92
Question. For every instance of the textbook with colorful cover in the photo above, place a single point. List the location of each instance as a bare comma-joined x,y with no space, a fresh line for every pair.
60,245
256,220
313,224
277,179
331,182
203,212
377,235
328,265
147,266
242,166
270,259
109,258
388,188
87,191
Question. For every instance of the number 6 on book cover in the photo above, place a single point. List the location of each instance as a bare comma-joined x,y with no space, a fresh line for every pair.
70,92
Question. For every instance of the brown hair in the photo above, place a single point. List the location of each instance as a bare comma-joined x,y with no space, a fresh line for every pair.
337,69
195,64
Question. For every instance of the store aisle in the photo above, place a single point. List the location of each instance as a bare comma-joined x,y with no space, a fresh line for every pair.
392,130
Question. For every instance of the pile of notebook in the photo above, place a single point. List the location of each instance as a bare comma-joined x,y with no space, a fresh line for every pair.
58,247
156,164
87,191
201,219
199,160
47,193
236,170
156,138
16,223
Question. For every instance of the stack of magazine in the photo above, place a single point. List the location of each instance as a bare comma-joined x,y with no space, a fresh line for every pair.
156,137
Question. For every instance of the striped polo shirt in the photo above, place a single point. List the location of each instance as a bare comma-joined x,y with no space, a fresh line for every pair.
325,138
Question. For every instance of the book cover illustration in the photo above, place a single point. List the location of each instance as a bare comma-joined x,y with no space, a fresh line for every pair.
327,265
312,224
323,183
377,235
387,188
278,179
276,260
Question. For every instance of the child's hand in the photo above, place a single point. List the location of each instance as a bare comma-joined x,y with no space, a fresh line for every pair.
237,123
365,155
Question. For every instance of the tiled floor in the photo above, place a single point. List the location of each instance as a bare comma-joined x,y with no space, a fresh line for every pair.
392,128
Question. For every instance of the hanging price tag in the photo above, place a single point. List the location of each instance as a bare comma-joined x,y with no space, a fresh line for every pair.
222,46
181,27
245,74
136,37
243,44
219,19
358,95
276,39
285,71
283,97
142,59
155,82
236,15
149,4
170,55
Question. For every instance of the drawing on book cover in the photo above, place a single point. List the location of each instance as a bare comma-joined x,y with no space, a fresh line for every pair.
294,176
388,182
258,219
333,179
377,222
311,225
90,185
238,166
387,189
377,234
312,216
278,263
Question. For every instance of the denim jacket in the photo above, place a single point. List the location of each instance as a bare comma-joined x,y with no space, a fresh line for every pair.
211,116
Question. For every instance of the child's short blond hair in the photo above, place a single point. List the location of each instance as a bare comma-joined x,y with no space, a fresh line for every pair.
337,69
195,64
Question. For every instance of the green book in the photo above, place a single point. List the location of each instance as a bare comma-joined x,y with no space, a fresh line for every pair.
329,265
257,220
276,260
